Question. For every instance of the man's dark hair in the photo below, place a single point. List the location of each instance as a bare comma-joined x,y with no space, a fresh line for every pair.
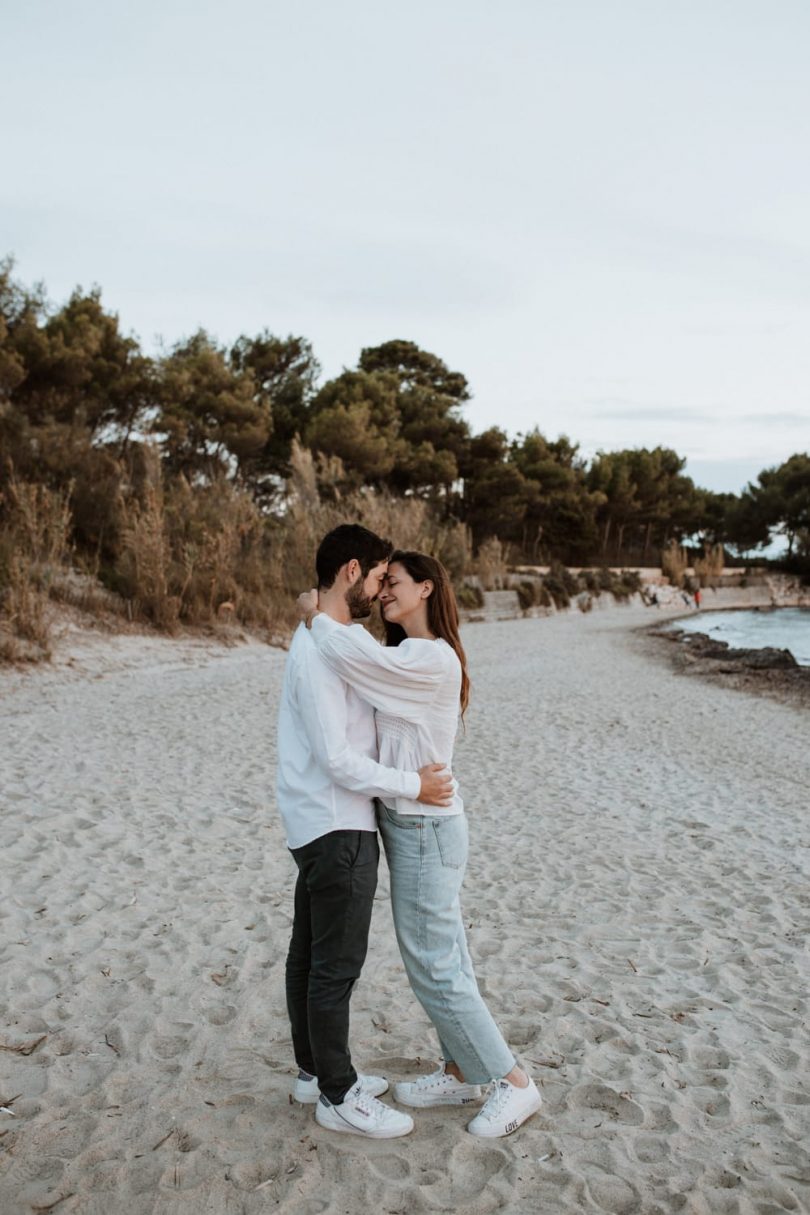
347,543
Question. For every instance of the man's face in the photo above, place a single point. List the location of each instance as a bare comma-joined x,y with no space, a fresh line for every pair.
362,593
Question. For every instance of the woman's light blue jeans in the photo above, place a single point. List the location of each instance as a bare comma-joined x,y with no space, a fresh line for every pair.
426,858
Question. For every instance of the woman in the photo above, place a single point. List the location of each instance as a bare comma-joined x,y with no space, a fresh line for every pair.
416,683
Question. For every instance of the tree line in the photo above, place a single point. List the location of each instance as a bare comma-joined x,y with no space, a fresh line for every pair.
80,401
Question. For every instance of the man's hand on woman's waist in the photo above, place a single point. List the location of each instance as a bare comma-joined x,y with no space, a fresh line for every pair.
437,785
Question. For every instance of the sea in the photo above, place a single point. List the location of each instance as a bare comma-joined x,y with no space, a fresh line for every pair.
782,628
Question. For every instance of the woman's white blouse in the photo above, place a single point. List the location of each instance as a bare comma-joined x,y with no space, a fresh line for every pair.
414,688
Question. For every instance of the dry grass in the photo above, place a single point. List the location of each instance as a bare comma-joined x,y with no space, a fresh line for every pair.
145,558
196,554
711,564
206,555
34,530
674,563
490,564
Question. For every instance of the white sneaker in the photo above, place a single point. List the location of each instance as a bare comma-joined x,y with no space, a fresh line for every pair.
507,1107
307,1092
360,1114
439,1088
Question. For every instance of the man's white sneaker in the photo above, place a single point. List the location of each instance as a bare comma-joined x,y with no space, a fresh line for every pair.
360,1114
507,1107
439,1088
307,1092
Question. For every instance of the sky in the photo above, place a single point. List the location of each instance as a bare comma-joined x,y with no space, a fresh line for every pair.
597,211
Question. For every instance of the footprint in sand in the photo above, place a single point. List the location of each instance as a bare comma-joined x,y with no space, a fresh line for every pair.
72,1136
774,1017
709,1058
715,1106
143,1175
221,1015
467,1172
605,1101
390,1167
613,1194
650,1149
794,1097
167,1047
44,1170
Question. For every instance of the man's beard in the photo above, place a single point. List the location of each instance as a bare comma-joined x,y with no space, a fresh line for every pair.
358,603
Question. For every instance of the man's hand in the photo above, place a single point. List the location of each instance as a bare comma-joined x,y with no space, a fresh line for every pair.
437,785
307,604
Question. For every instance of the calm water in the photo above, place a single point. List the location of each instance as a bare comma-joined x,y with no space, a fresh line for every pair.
783,628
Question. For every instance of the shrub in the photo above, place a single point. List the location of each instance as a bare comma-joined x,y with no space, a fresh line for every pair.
630,581
625,584
470,597
555,587
526,594
564,576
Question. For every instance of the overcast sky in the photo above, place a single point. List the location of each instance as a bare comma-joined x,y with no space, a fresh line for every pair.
596,209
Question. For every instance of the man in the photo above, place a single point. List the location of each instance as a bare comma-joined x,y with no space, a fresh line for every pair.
327,776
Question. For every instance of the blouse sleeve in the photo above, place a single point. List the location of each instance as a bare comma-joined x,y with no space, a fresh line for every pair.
400,680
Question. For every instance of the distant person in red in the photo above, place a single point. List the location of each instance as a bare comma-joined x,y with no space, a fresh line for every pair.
697,598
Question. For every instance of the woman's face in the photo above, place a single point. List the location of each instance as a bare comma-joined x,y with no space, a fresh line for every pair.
400,596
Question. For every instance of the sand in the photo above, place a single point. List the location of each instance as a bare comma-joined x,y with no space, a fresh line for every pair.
637,902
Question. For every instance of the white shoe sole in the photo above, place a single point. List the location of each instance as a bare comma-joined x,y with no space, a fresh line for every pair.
426,1103
343,1128
511,1127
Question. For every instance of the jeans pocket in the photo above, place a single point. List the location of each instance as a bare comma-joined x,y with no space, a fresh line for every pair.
363,869
451,839
364,850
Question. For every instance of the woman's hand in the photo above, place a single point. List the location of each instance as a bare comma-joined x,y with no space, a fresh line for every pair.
307,605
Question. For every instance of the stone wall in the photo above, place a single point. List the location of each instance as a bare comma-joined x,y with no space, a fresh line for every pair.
732,591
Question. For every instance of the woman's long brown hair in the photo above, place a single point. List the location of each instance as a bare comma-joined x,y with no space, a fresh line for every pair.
442,611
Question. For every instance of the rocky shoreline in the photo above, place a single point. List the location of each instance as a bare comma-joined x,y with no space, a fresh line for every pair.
767,672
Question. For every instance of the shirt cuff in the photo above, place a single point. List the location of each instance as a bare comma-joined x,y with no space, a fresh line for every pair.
413,786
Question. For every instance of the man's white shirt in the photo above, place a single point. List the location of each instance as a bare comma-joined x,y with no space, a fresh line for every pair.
327,752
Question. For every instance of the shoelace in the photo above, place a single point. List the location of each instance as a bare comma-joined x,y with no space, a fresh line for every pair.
498,1096
368,1104
432,1080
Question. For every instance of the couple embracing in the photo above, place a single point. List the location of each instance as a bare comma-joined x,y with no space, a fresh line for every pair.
365,740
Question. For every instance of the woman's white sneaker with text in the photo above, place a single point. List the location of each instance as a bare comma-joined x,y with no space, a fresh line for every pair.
307,1092
360,1114
507,1107
439,1088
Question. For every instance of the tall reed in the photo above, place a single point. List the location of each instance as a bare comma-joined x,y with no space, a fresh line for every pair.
711,564
674,563
34,541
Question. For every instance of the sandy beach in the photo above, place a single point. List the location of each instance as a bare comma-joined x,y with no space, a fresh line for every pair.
637,902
